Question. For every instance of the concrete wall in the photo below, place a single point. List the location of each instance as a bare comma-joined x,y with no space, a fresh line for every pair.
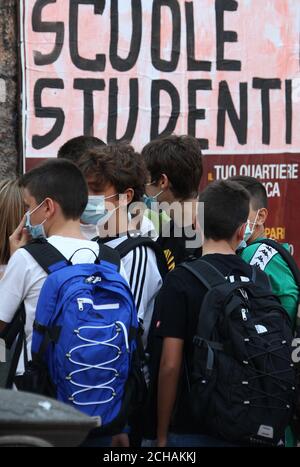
8,88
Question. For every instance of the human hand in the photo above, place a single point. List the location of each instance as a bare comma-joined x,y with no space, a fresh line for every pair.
19,238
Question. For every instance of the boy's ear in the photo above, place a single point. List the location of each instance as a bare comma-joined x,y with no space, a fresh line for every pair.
262,216
129,193
164,182
51,207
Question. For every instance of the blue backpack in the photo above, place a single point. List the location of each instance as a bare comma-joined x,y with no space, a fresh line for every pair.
85,337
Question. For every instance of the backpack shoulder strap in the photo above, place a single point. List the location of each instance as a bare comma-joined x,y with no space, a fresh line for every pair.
206,273
286,255
131,243
46,255
109,255
15,333
260,278
51,259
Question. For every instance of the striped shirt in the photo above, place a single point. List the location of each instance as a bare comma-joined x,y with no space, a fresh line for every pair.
144,279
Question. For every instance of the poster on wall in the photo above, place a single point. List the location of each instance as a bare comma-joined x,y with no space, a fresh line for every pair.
225,71
280,174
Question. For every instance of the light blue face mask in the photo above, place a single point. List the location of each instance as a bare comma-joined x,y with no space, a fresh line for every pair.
151,200
95,212
35,231
248,232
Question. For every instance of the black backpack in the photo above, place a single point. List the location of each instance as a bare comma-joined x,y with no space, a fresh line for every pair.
15,340
243,380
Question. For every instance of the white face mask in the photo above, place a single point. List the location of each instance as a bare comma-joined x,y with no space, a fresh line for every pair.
248,232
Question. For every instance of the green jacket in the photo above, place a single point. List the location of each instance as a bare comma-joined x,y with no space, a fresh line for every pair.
281,277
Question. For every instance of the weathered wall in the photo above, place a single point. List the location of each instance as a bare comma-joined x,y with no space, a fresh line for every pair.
8,88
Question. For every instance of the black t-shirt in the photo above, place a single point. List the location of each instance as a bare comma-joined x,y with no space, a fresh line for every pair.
178,244
177,310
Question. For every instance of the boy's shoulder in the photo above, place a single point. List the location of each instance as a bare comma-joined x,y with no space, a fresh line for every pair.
261,254
21,257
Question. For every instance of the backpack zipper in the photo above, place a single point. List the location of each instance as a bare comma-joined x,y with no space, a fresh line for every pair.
244,314
87,301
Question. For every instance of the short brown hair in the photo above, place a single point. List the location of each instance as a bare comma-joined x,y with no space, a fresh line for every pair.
257,191
60,180
118,165
11,212
180,158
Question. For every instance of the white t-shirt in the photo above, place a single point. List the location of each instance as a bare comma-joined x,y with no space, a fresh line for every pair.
2,269
144,279
24,278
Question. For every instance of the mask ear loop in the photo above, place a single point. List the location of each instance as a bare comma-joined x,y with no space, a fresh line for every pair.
38,207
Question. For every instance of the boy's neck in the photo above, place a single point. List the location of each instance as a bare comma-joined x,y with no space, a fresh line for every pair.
115,227
222,247
258,233
188,212
66,228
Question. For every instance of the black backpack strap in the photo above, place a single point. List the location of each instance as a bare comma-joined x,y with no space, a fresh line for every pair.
134,242
46,255
260,278
205,272
16,330
286,255
109,255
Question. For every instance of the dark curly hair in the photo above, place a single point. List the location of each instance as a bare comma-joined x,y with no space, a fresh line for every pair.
119,165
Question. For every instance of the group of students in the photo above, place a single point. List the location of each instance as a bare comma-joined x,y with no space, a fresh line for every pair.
94,195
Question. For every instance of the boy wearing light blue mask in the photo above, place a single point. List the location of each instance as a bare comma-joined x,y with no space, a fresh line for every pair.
110,195
174,165
35,231
117,175
55,196
116,178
